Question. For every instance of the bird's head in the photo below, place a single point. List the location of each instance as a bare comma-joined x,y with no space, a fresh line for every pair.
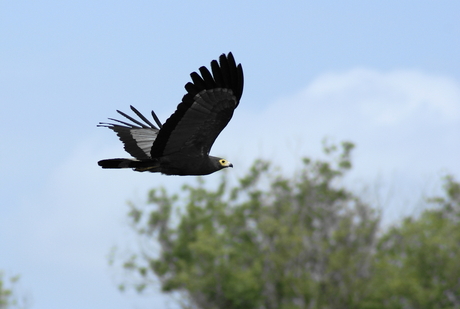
220,163
224,163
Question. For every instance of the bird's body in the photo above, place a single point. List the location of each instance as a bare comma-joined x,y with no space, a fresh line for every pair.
181,145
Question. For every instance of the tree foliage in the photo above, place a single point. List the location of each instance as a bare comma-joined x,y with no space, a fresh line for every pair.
8,298
417,264
295,242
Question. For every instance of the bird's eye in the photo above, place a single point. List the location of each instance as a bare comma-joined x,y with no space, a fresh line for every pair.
222,161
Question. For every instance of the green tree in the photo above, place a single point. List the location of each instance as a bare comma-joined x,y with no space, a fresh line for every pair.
8,297
417,264
270,242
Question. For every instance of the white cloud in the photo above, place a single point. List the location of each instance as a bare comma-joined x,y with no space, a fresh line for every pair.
402,120
389,98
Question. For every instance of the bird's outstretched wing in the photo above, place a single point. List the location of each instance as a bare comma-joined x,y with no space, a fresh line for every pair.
137,138
204,111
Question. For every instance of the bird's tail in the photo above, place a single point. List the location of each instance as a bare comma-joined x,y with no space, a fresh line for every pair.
140,166
118,163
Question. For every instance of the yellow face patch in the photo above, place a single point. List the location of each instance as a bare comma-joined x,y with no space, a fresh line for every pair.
225,163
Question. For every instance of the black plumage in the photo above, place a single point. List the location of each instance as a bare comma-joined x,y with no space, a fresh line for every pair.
181,145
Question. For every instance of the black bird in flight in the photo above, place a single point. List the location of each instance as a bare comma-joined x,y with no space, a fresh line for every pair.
181,145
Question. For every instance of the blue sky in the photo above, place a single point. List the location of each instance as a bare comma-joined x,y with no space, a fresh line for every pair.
385,75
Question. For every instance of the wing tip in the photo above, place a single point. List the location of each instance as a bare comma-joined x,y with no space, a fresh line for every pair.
225,74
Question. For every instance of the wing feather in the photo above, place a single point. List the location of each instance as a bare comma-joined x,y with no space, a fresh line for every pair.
157,120
217,73
143,117
205,110
207,77
191,88
132,119
137,138
198,81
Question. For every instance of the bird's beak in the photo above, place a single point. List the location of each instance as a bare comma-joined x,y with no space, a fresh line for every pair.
230,165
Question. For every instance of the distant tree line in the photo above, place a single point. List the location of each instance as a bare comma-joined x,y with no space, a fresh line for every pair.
304,241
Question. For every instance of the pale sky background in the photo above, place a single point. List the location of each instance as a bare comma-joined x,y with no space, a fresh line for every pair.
383,74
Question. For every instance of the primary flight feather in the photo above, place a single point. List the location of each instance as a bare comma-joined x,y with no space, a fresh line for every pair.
181,145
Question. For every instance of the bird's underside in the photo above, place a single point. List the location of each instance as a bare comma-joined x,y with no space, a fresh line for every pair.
181,145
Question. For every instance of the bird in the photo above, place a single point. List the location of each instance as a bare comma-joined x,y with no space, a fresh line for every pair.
182,144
